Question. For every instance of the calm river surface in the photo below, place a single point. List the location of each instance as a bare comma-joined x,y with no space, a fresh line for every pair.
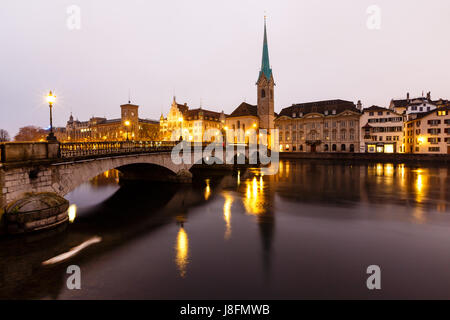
310,231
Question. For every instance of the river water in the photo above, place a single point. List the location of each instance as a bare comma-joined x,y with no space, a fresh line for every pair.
310,231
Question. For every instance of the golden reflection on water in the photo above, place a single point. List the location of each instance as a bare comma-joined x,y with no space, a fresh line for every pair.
72,212
420,185
227,214
182,252
254,201
106,178
207,189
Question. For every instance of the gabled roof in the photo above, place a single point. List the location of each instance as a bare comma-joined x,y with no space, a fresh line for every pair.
206,113
148,121
244,109
319,107
375,109
402,103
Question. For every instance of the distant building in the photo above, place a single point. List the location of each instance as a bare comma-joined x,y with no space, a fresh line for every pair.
429,132
410,107
128,126
323,126
194,125
382,130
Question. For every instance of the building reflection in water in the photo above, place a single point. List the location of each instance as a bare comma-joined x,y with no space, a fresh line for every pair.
258,202
182,252
227,213
254,201
106,178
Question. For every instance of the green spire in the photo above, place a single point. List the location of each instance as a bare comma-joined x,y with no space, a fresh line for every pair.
265,65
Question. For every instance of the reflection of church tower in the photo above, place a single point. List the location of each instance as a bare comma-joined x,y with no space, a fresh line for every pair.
265,86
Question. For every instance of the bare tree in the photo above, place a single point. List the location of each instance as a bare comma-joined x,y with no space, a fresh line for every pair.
31,133
4,135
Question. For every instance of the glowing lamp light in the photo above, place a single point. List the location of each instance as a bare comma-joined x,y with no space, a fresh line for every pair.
127,123
72,212
421,140
180,119
51,98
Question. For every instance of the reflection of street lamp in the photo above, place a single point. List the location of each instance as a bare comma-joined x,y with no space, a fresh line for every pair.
127,124
51,99
181,124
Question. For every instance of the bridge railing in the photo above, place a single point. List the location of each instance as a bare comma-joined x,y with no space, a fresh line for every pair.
84,149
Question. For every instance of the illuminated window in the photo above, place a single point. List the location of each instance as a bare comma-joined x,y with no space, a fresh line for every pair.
388,148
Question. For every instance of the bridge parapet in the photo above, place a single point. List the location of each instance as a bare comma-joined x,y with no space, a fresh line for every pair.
28,151
83,149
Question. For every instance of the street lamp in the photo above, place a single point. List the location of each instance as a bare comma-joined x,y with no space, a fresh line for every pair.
51,98
127,124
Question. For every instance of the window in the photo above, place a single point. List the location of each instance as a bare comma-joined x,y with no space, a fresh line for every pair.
343,147
434,131
343,135
370,113
263,93
352,148
442,113
434,122
333,147
352,134
434,149
325,148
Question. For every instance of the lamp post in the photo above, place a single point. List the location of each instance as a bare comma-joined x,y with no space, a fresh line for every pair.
51,98
127,124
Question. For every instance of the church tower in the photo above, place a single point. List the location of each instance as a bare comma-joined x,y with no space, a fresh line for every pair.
265,86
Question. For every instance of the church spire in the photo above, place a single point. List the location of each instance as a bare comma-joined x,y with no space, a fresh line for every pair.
265,65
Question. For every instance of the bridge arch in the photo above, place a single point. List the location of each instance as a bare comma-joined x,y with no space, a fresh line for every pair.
69,176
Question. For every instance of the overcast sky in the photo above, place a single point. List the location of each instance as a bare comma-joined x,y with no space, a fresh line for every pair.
210,51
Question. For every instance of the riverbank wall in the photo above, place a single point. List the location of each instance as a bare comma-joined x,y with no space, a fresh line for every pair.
370,157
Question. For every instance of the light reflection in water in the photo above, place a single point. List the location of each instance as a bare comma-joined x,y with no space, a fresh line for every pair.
420,185
254,200
182,252
227,214
72,212
207,190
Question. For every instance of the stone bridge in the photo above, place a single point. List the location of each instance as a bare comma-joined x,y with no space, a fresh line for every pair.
59,168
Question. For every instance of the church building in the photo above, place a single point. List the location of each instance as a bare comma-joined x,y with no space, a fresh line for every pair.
247,117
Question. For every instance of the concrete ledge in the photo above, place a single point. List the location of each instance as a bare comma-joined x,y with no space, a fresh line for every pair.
373,157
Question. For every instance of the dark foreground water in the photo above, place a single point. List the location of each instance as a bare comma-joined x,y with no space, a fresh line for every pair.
310,231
